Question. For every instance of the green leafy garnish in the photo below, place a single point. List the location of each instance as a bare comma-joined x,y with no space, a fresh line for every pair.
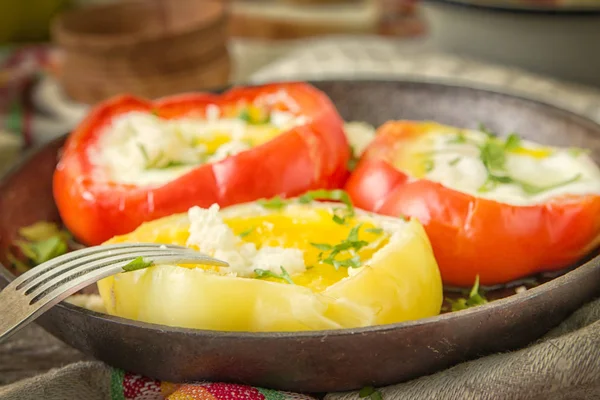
376,231
371,393
493,157
513,141
334,195
338,220
486,130
576,152
246,232
274,203
533,189
137,263
154,112
159,161
459,139
144,153
403,217
350,243
428,165
476,298
244,115
454,161
322,194
353,161
40,242
265,273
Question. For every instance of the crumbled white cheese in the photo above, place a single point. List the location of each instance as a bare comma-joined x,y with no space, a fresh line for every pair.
143,149
459,166
213,236
273,258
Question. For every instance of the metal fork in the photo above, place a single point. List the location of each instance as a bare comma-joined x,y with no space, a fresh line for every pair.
40,288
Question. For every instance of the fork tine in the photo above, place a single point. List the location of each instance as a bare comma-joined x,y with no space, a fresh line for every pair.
34,272
71,264
23,310
106,261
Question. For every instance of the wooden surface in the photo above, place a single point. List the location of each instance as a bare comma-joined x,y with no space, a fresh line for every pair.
32,351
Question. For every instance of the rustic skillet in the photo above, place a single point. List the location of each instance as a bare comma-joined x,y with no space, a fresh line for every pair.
329,360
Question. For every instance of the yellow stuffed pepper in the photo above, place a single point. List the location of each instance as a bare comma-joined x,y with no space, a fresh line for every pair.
294,265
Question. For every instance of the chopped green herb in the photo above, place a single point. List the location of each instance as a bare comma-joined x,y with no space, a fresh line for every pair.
154,112
274,203
486,130
350,243
492,155
144,153
475,298
353,161
403,217
576,152
513,141
376,231
41,242
334,195
322,246
428,165
264,273
137,263
246,232
371,393
459,139
170,164
352,262
339,220
245,116
454,161
533,190
322,194
40,231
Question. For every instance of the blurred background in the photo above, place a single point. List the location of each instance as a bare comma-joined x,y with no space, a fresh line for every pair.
57,57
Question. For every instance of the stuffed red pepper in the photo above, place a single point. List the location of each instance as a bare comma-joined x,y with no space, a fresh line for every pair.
501,208
133,160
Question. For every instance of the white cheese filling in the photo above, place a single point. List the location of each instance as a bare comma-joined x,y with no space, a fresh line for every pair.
557,171
213,236
142,149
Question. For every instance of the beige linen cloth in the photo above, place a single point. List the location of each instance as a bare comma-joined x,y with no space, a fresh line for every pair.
565,364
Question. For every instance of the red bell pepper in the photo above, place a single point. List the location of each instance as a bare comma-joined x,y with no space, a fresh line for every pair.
472,235
310,155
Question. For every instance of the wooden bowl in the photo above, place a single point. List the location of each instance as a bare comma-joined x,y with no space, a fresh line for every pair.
148,48
325,361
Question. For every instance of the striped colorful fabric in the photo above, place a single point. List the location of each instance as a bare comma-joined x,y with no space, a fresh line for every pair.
126,386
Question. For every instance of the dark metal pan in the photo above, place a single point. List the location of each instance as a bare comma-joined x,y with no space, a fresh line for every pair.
329,360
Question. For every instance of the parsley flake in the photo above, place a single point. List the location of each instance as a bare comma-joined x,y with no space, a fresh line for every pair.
39,243
486,130
513,141
137,263
351,243
428,165
265,273
369,392
476,298
274,203
246,232
454,161
376,231
334,195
